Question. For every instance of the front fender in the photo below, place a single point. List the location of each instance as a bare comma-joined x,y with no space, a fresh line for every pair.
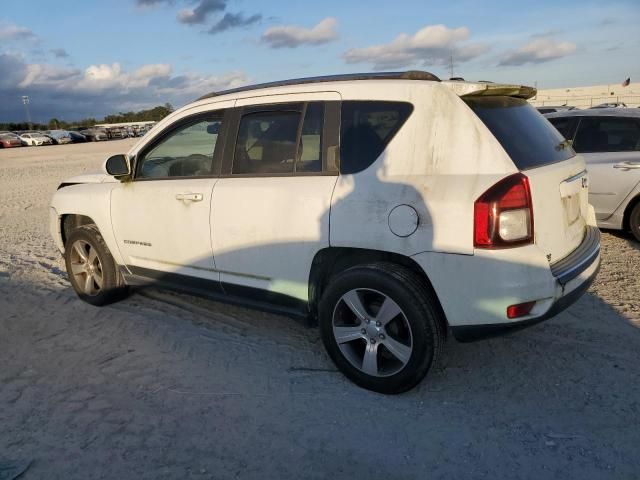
92,200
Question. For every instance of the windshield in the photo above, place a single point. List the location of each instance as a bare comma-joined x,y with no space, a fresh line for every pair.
529,139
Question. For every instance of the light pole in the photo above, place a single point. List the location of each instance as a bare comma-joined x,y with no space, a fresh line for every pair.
25,101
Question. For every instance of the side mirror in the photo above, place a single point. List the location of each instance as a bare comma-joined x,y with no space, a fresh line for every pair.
118,166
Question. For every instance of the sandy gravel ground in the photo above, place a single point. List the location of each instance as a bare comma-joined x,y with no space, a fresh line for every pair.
170,386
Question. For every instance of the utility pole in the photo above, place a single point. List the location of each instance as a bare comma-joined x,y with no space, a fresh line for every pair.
25,101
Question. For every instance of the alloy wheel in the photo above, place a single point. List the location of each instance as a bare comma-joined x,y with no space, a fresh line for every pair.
86,268
372,332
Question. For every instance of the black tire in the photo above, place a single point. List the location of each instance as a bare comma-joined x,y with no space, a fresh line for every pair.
113,287
634,221
419,307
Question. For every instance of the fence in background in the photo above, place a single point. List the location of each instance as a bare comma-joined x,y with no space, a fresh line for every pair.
586,101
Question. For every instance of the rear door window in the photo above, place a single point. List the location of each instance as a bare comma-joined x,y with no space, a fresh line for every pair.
310,145
366,129
607,134
529,139
284,139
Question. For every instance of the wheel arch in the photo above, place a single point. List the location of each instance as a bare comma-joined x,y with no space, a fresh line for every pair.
332,260
626,225
70,221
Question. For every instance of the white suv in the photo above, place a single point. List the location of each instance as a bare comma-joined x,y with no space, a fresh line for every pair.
390,207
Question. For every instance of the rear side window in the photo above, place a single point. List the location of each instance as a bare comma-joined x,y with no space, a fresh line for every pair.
529,139
607,134
366,129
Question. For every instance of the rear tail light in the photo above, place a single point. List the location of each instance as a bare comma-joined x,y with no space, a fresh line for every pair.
520,310
503,215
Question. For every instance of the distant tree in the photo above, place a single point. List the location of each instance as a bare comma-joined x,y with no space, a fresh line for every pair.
152,114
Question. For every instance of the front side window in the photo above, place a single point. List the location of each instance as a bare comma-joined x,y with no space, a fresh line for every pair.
266,142
366,129
185,152
607,134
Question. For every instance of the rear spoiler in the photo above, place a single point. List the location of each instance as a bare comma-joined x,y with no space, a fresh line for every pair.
488,89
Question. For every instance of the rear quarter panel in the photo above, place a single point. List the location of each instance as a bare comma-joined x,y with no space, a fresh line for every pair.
439,162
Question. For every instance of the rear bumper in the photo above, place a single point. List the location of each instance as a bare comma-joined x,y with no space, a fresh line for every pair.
573,276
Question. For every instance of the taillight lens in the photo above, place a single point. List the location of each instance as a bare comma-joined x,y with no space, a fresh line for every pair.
503,215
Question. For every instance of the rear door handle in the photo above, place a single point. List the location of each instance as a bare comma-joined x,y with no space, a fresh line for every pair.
627,165
189,197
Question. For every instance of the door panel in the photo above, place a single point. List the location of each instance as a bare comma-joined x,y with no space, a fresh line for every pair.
161,219
270,213
267,230
609,181
157,230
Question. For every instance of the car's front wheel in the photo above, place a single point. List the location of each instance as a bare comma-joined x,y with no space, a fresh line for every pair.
381,326
634,221
92,270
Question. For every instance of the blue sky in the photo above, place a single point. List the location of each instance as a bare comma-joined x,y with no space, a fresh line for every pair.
92,58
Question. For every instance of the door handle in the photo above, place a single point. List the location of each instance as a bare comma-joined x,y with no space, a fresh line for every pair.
627,165
189,197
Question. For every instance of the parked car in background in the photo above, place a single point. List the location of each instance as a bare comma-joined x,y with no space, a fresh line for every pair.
35,139
117,133
94,134
77,137
609,141
9,140
551,109
59,137
611,105
389,207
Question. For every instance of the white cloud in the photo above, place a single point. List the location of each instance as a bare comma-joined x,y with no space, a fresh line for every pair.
100,89
9,31
291,36
433,44
538,50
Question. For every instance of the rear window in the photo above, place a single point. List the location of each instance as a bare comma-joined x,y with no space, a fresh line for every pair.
366,129
528,138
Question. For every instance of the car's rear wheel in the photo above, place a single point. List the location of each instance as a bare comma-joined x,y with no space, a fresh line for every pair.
381,326
634,221
92,270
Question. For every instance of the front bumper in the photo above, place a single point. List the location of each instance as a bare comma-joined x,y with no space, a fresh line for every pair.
573,274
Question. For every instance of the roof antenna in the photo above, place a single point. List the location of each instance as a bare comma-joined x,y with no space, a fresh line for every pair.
451,64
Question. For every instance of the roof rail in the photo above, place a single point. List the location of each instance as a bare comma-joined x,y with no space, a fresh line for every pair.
408,75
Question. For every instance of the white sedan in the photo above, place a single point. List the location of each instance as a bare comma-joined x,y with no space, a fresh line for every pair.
35,139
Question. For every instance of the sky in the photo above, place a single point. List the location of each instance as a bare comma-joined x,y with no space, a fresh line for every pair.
78,59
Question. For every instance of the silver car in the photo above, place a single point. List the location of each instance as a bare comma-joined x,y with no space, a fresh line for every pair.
609,140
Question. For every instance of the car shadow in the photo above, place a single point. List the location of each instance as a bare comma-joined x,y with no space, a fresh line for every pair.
626,236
